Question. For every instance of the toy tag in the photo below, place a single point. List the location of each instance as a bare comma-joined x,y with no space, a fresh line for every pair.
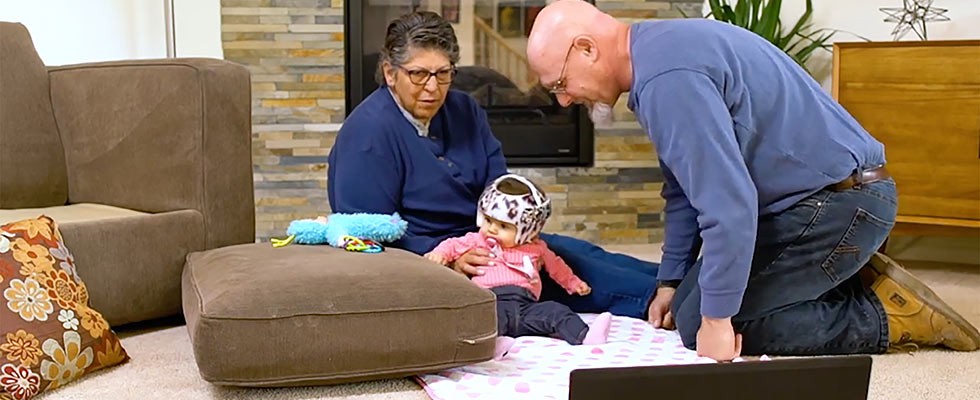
354,244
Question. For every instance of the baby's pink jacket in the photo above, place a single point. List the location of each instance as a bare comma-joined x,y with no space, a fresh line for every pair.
509,272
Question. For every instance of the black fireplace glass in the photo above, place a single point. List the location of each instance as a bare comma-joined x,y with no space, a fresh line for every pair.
534,130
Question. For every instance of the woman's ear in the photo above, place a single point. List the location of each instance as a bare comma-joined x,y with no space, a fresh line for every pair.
389,73
587,45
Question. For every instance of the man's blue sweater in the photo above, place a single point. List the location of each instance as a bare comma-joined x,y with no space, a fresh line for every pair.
380,164
741,131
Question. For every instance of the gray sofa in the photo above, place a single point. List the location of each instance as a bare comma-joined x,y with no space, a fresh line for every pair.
139,162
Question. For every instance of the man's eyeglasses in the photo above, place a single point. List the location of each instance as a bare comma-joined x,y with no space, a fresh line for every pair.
559,86
422,76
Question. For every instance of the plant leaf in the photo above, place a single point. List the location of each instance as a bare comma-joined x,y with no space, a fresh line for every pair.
803,23
770,19
756,9
716,12
806,51
729,13
741,12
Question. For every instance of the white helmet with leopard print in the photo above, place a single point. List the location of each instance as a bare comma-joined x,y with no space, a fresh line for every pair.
516,200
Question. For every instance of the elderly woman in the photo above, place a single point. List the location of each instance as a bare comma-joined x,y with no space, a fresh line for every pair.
416,147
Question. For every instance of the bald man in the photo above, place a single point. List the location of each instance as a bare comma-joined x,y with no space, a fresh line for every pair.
788,194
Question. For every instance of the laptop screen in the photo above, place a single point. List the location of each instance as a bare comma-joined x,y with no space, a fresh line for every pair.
815,378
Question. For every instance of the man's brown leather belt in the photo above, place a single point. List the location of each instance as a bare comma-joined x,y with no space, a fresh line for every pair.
860,178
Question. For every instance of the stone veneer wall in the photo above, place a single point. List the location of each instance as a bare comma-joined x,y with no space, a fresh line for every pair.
295,52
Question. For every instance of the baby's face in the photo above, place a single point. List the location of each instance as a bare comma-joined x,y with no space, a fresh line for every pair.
505,234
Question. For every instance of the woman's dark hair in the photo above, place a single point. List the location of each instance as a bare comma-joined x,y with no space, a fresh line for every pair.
417,30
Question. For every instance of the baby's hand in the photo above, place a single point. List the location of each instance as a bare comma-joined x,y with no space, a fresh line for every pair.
321,219
583,289
438,258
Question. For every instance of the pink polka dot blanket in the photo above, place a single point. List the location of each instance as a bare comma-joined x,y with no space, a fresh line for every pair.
539,367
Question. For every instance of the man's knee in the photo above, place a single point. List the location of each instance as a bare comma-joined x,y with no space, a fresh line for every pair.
688,331
687,318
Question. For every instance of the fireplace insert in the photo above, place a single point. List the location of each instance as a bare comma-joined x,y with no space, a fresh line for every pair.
534,130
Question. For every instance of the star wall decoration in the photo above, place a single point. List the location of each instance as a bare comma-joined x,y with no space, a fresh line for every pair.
913,16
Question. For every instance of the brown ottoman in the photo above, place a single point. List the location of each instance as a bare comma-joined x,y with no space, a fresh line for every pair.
308,315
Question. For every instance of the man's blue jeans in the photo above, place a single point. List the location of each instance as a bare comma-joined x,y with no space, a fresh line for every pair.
804,295
621,285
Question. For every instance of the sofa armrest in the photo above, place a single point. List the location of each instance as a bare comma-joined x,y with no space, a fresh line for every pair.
160,135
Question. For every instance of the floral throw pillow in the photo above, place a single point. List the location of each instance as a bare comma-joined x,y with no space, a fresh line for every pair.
49,334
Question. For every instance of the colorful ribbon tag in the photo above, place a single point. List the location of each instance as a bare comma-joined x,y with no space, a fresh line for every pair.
351,243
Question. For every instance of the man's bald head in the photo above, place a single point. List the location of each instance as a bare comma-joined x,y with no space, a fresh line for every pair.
557,24
581,54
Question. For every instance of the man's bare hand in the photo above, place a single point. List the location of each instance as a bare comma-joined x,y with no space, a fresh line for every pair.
717,339
471,262
659,312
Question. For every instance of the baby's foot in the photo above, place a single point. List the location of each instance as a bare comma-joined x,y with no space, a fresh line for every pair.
503,346
598,329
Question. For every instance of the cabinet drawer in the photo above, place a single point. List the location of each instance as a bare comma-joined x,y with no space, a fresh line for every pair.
922,100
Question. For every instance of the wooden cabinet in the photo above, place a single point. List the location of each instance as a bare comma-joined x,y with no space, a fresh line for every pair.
922,100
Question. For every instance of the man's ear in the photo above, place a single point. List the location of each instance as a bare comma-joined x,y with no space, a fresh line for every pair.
587,45
389,72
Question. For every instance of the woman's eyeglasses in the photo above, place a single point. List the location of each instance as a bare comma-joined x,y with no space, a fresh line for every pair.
422,76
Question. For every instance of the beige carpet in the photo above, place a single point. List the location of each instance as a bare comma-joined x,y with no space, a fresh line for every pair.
163,365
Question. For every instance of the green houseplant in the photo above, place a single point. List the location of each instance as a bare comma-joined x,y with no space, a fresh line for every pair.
762,17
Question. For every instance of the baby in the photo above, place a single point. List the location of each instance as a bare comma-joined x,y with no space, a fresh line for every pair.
511,212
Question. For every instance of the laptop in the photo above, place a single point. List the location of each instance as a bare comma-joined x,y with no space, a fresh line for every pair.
815,378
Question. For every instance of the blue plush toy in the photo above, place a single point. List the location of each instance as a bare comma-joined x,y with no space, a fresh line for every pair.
361,232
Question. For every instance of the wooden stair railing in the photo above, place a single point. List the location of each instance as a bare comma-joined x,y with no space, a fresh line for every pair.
492,51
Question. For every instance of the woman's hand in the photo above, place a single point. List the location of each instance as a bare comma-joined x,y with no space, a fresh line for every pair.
436,257
583,289
717,339
470,263
659,312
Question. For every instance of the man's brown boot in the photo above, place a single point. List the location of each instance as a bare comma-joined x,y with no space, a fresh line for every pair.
916,315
